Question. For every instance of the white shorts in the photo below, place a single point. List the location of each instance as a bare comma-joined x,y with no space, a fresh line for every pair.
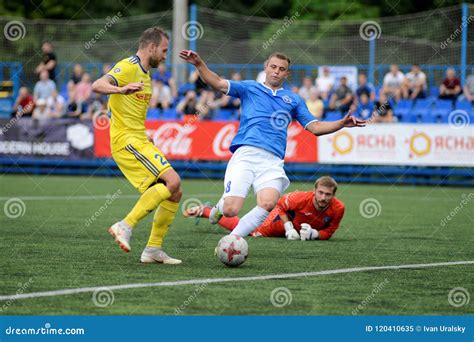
253,166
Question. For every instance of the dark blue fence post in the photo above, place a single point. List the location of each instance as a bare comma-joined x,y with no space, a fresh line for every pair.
372,60
464,24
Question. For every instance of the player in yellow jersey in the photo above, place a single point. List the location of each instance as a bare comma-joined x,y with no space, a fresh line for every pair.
129,85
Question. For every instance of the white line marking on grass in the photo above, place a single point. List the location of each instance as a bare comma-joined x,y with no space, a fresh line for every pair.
227,280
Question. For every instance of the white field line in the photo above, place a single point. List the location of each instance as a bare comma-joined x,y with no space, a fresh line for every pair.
226,280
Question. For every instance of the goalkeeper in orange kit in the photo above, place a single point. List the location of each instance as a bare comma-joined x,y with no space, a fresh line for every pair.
299,215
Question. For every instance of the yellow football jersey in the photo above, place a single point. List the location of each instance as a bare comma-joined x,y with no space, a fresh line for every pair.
128,112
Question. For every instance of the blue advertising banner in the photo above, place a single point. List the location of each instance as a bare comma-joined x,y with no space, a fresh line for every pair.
236,328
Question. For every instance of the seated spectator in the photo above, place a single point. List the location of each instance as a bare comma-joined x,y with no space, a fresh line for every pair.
77,73
450,89
24,103
392,83
325,83
165,76
365,87
190,105
342,98
469,87
383,111
307,88
226,101
161,95
414,86
83,92
106,68
56,105
295,89
364,106
315,104
48,61
41,111
97,108
44,87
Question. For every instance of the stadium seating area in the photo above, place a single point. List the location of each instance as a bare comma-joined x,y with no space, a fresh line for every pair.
429,109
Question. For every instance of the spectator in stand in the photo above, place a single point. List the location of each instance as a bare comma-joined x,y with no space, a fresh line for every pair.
364,106
295,89
191,105
97,108
469,87
261,76
24,103
161,95
450,89
342,98
44,87
165,76
205,93
226,101
72,108
56,105
365,88
48,61
414,86
392,83
41,111
315,104
325,83
383,111
77,73
83,92
307,88
106,68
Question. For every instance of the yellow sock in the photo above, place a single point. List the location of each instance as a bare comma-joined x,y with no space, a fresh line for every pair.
148,202
164,216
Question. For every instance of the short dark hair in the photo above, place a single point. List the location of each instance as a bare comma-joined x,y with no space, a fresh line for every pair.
279,55
152,35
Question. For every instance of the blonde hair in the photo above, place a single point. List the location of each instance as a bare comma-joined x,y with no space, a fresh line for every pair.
279,55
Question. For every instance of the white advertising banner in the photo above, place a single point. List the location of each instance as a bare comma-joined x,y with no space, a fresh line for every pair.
399,144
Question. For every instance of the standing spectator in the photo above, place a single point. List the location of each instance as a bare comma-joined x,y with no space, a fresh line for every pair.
469,87
365,88
56,105
165,76
48,61
450,89
414,86
392,83
83,92
161,95
383,111
342,98
307,88
44,87
24,103
77,73
315,104
325,83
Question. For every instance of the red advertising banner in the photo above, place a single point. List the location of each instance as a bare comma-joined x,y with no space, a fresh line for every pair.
208,140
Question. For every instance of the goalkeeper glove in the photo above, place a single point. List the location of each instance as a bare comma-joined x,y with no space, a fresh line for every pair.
290,231
308,233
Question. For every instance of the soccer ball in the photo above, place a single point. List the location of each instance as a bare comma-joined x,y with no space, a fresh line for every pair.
232,250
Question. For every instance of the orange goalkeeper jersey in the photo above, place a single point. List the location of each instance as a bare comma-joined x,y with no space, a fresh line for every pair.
299,208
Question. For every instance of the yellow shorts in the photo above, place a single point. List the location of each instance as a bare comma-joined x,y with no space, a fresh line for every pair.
142,164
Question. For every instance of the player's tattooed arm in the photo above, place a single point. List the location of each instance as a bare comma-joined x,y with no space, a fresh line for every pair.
106,86
207,75
327,127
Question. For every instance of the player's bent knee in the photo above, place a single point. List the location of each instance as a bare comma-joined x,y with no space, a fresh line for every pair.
267,205
230,211
176,196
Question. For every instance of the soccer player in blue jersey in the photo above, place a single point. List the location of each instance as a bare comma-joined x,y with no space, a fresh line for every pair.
260,143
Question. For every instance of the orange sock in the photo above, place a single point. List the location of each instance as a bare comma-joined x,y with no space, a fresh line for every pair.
228,223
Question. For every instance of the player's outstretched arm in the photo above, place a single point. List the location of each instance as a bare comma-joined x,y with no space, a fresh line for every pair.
208,76
327,127
105,86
